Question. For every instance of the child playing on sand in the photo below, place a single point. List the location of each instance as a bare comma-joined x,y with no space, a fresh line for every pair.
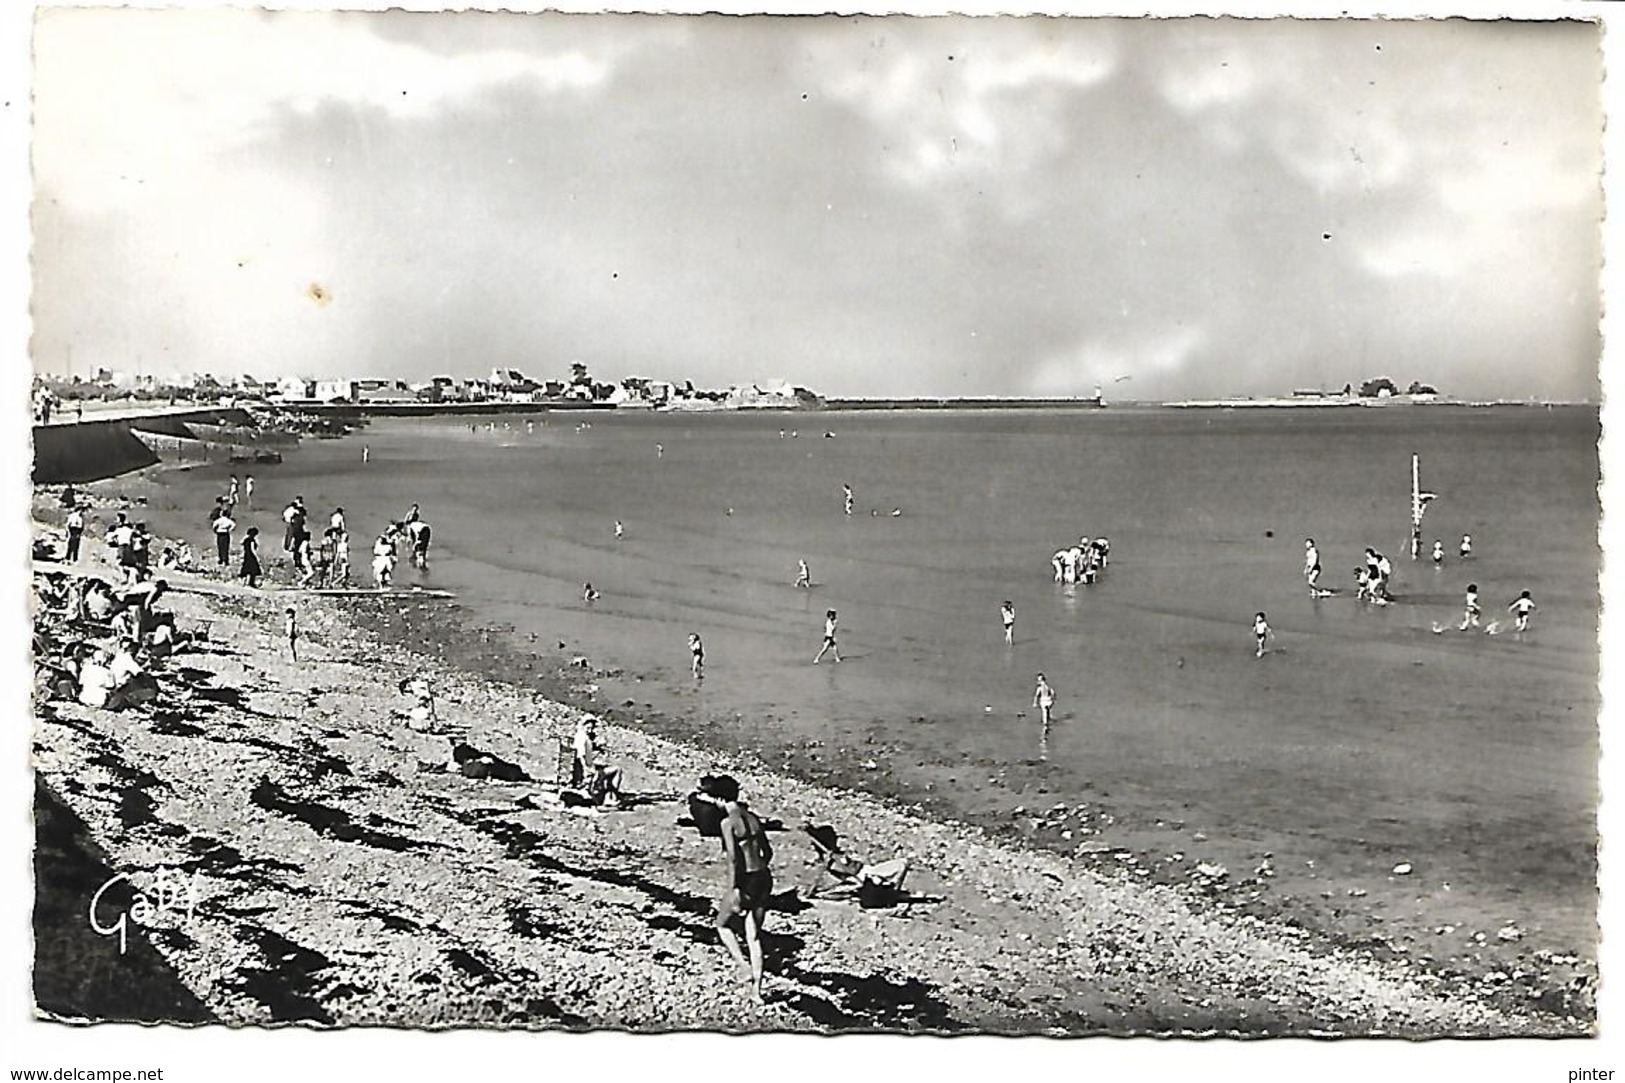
291,628
803,576
829,638
697,650
1262,633
1520,609
1008,613
1470,617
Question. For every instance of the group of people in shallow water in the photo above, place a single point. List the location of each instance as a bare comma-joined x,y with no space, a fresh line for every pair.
1081,563
318,563
1372,578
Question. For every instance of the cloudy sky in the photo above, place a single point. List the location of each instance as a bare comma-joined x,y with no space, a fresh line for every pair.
1165,208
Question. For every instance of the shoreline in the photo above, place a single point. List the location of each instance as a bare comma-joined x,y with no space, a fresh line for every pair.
1049,928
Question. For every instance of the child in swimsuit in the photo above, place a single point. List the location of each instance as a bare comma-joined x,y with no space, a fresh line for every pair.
1261,632
1470,617
829,638
1520,609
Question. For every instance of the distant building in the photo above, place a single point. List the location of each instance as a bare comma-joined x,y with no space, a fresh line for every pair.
335,390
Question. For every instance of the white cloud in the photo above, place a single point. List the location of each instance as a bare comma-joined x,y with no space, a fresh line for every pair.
1101,360
961,101
134,98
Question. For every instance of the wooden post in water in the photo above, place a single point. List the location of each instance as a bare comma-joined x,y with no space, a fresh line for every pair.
1419,505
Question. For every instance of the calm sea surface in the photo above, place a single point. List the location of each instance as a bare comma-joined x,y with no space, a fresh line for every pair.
1364,739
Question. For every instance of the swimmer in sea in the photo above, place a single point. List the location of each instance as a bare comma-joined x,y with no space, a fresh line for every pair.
697,650
1311,566
1262,633
1058,562
1520,610
1008,613
829,638
620,531
803,576
1438,552
1466,549
848,490
588,595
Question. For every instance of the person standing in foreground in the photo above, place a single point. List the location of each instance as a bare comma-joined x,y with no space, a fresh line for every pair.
222,527
750,878
829,638
291,628
1262,633
1008,613
76,533
251,557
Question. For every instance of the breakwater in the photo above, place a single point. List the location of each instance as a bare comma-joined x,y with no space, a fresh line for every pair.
104,447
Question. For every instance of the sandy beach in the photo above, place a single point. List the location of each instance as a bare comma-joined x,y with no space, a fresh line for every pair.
341,870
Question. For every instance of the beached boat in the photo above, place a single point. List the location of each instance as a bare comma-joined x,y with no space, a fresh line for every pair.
247,435
185,449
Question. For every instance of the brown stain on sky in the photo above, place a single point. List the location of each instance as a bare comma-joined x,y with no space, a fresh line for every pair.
318,293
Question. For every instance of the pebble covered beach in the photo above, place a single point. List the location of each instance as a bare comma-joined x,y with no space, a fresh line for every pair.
343,870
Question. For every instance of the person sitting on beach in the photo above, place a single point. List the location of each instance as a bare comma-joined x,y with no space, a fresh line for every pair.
877,884
1520,608
829,638
98,600
749,883
96,681
421,716
601,781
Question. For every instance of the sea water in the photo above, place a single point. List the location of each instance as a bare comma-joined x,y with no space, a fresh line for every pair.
1361,740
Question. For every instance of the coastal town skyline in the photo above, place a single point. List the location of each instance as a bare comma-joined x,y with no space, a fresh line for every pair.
871,207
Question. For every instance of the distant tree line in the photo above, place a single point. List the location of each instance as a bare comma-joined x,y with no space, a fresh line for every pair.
1382,385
